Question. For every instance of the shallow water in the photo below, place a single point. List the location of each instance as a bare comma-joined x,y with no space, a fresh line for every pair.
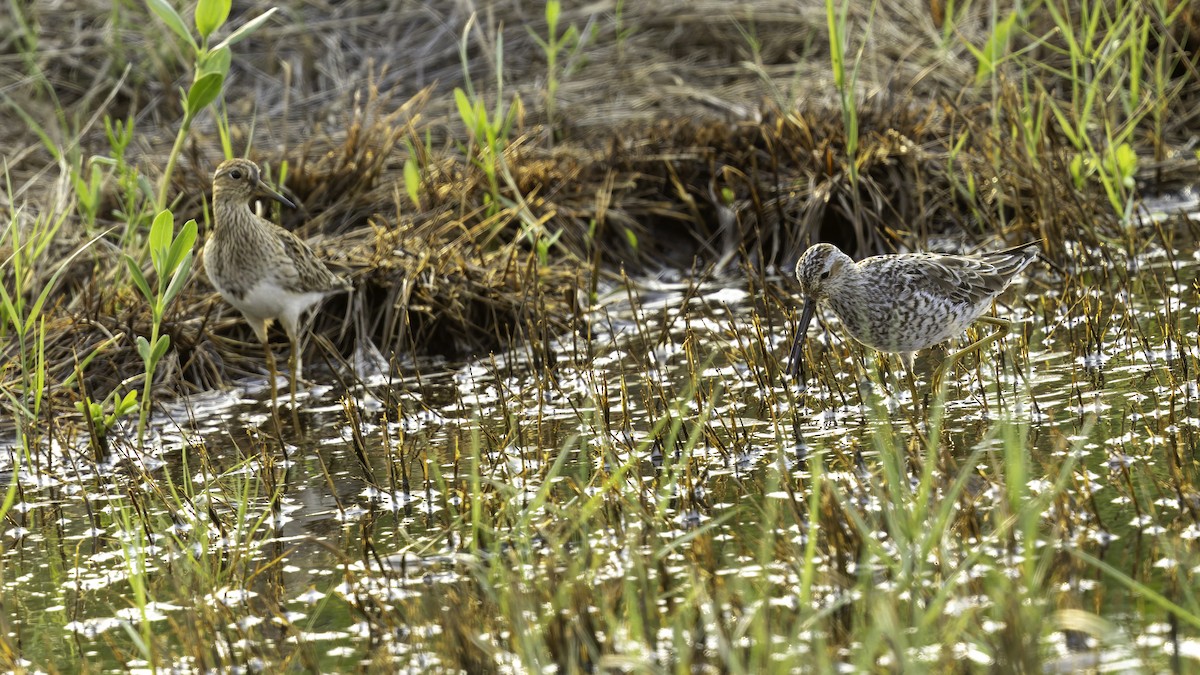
365,511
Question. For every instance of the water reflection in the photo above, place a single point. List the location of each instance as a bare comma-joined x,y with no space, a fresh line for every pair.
385,502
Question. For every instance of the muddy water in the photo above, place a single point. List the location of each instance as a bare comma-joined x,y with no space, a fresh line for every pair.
364,504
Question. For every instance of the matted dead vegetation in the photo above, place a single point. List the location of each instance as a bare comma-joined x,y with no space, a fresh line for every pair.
682,132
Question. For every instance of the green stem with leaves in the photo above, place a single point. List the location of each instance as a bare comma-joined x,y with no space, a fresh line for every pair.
171,257
211,66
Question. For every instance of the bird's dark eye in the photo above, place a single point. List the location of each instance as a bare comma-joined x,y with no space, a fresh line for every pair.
236,174
825,274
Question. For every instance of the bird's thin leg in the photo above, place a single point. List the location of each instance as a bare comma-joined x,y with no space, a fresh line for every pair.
906,360
1003,326
295,360
272,374
299,363
294,366
260,331
293,363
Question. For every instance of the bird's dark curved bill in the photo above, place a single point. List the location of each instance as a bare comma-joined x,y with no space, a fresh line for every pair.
270,192
796,360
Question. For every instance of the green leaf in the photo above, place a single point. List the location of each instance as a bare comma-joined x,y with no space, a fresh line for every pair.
143,349
204,90
178,279
211,15
87,360
1065,125
837,44
246,29
97,178
128,403
139,279
1124,163
82,193
160,349
412,181
553,9
145,187
216,61
161,229
175,22
1137,56
537,38
32,123
10,310
160,238
515,110
1127,160
182,245
36,308
995,48
466,110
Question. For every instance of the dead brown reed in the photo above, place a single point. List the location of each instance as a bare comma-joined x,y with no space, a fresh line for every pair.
692,131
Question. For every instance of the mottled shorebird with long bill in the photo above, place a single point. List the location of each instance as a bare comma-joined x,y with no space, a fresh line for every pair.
906,302
266,272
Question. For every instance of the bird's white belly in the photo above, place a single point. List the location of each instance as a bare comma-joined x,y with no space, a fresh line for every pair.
267,300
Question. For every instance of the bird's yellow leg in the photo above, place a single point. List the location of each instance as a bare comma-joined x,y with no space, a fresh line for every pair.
293,368
1003,326
274,375
272,372
260,331
295,360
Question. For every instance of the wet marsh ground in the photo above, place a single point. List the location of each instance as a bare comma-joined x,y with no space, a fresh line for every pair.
659,475
550,429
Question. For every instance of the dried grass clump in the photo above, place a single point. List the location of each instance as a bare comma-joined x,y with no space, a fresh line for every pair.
685,132
455,278
759,191
459,275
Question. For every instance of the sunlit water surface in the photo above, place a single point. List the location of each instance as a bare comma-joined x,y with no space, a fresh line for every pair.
341,537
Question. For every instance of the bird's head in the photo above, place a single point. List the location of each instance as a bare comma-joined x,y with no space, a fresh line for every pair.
240,179
819,264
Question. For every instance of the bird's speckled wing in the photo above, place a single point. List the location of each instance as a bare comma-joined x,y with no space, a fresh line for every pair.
309,274
968,280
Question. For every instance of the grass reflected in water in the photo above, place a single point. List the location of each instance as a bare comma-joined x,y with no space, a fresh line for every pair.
654,495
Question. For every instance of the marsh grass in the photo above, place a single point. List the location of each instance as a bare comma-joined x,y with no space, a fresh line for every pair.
665,526
665,190
611,551
661,526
